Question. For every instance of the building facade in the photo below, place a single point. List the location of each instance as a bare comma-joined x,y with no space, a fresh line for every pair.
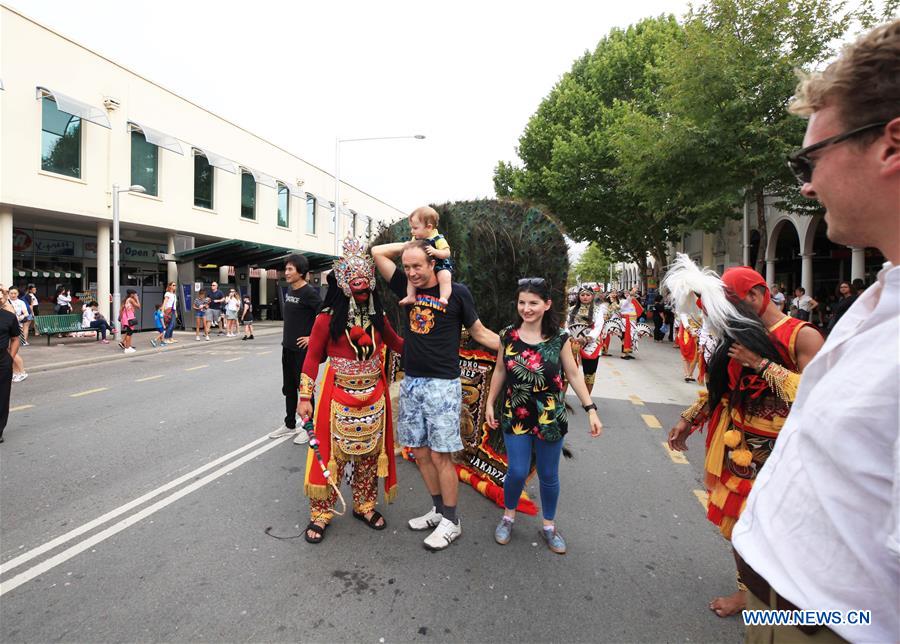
73,124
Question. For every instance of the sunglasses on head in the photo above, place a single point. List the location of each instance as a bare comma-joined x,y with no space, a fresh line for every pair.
802,165
532,281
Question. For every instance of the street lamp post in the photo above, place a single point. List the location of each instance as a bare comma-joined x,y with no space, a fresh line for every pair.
117,295
337,180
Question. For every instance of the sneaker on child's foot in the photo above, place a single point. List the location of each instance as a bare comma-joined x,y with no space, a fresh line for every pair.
130,350
554,539
206,338
427,521
445,534
153,343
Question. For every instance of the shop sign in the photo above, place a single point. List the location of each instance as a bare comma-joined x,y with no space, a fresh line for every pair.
131,252
22,240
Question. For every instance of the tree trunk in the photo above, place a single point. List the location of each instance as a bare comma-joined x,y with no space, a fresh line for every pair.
760,263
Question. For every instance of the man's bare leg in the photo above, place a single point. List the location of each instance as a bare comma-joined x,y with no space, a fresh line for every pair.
427,469
447,478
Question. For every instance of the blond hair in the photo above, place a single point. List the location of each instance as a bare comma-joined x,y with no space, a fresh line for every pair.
427,215
863,84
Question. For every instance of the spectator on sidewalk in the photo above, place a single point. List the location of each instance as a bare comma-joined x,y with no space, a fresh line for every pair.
200,305
778,297
21,311
232,307
301,306
18,365
128,318
31,299
159,320
9,348
169,313
93,319
246,318
215,315
63,301
802,305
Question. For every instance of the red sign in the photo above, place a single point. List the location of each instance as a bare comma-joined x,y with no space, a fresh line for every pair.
22,241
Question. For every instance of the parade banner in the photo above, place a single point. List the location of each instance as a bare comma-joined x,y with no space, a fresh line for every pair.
482,462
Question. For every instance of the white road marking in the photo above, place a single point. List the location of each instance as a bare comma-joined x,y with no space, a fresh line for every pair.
90,542
88,392
232,359
202,366
150,378
112,514
21,408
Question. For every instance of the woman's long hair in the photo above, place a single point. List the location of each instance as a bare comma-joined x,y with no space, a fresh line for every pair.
550,321
339,304
574,310
752,335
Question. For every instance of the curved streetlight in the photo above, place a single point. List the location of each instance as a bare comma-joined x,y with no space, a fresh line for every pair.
117,295
337,179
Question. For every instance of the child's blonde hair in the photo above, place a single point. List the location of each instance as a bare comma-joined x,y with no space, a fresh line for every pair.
427,215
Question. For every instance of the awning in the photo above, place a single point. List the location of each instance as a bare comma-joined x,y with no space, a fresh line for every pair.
69,105
157,138
235,252
294,190
262,177
217,161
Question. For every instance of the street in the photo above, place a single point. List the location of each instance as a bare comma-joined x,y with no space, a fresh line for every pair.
136,493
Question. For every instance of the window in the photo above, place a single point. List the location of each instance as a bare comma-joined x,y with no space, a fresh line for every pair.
144,164
310,214
203,182
248,195
284,206
60,140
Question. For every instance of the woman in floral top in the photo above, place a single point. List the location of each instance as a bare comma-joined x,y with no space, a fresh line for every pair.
534,362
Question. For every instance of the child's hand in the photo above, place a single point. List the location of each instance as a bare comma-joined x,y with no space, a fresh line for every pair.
430,251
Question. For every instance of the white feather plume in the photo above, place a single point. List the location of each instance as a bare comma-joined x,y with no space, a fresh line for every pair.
685,281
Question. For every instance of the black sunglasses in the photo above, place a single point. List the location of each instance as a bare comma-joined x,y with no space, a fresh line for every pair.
802,166
532,281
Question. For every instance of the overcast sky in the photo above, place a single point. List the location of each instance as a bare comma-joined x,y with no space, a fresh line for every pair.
466,74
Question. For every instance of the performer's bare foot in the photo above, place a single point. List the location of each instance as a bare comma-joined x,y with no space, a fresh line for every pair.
407,300
730,605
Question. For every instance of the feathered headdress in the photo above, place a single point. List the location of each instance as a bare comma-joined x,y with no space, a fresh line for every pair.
695,291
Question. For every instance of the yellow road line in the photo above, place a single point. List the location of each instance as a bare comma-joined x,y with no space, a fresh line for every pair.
703,497
651,421
202,366
21,408
677,457
635,400
232,359
150,378
89,391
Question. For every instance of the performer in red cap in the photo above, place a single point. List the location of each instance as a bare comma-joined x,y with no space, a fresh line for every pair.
353,419
752,380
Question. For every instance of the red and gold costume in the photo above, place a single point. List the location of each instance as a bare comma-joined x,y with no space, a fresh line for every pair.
686,340
739,441
630,310
353,418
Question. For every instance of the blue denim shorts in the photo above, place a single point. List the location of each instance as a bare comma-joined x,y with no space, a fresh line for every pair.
429,413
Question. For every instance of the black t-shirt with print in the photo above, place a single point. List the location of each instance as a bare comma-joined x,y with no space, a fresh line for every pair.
216,295
300,309
9,328
432,333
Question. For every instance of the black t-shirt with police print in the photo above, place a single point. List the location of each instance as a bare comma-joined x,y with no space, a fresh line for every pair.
433,331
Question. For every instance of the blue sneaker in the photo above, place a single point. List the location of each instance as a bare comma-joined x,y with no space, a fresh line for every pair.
554,540
504,531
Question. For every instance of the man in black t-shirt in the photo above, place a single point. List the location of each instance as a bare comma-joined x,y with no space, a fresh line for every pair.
9,347
430,393
301,305
216,307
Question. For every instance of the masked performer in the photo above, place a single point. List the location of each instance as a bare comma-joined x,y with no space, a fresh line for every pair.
630,309
353,419
585,325
752,380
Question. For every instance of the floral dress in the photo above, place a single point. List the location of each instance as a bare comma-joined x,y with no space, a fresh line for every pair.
535,386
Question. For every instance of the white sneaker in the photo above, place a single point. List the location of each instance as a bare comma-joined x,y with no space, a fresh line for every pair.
284,430
445,534
130,350
427,521
19,377
197,338
302,438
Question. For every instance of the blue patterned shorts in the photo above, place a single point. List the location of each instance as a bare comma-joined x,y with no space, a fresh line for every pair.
429,413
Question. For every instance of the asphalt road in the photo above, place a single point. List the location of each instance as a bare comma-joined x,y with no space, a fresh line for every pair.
134,496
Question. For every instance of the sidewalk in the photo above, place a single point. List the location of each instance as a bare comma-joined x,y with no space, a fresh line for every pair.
71,352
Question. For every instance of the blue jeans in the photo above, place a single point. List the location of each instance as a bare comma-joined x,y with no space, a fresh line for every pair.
170,327
518,452
102,326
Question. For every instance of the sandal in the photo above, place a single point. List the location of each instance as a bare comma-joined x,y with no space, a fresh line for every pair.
319,530
372,522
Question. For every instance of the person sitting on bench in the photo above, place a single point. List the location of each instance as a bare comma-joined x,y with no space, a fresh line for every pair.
94,319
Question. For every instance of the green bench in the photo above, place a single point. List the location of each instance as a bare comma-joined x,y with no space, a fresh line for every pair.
52,324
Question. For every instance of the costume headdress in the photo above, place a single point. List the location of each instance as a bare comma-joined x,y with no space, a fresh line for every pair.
354,263
689,285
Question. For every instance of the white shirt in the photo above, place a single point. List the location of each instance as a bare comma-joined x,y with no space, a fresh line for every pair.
87,317
21,309
822,523
802,302
778,298
63,300
168,301
627,307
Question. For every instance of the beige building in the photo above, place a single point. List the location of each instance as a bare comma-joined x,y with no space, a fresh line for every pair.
218,199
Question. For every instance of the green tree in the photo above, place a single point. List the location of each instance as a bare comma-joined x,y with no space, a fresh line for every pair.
592,266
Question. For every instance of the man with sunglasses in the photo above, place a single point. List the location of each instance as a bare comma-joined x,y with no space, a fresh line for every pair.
431,393
821,527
